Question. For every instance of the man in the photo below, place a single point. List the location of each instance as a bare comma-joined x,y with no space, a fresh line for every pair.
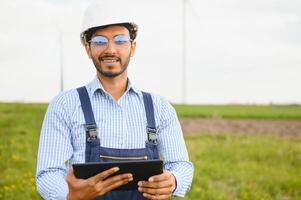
110,118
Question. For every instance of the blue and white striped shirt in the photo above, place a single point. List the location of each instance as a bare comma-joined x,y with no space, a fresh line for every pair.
121,124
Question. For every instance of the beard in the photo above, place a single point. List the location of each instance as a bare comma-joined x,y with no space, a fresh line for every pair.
106,73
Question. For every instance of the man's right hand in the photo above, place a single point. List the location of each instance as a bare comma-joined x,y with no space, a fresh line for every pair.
96,185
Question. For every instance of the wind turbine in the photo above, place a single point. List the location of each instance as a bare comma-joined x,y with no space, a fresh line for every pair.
61,56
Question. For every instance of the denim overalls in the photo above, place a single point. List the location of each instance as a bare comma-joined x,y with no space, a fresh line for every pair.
97,153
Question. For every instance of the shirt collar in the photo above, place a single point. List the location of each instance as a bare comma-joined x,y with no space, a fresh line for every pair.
130,87
96,85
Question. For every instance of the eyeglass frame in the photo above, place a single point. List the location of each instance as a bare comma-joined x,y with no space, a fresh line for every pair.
108,39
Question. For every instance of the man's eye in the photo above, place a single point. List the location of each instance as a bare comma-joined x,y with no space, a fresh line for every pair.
120,41
101,42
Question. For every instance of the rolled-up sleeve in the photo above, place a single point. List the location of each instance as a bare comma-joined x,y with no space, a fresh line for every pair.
55,149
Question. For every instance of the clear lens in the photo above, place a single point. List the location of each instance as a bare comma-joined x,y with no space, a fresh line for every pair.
103,41
121,39
99,40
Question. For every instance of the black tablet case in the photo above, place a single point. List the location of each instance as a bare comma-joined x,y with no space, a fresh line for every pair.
141,170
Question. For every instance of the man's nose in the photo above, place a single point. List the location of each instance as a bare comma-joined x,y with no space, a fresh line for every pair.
111,47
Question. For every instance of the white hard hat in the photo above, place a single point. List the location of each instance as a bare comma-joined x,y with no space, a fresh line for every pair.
108,12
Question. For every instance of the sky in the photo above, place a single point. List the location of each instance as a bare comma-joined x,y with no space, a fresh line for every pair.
237,51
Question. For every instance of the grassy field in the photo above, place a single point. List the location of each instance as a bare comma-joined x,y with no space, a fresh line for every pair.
205,111
240,111
227,166
19,133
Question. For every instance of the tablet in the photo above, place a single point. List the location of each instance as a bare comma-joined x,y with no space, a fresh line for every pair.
141,170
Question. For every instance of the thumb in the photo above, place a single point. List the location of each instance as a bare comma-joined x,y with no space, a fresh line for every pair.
71,175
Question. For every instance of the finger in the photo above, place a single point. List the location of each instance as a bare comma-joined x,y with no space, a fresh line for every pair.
117,182
71,175
161,177
156,196
103,175
72,181
154,191
121,177
71,172
161,184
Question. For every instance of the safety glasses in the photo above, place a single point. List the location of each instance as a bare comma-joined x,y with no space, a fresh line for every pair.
102,41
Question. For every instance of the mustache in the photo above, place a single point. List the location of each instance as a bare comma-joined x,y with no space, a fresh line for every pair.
109,57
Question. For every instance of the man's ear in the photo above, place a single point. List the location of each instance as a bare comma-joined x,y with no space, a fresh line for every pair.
88,49
133,48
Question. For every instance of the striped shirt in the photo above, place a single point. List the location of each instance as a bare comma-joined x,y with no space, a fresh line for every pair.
121,124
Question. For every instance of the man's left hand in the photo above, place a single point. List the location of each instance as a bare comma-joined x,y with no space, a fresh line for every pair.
158,187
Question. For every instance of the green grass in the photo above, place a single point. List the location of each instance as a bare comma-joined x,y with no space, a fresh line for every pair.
240,111
19,132
227,166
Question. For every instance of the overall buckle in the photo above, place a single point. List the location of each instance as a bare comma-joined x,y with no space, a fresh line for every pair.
151,135
91,130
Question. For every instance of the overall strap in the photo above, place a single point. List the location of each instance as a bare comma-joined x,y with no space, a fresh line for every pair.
151,123
91,127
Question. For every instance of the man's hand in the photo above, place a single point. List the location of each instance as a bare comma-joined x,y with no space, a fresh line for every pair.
95,186
158,187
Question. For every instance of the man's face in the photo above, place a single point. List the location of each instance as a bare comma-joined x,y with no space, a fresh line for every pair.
111,59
